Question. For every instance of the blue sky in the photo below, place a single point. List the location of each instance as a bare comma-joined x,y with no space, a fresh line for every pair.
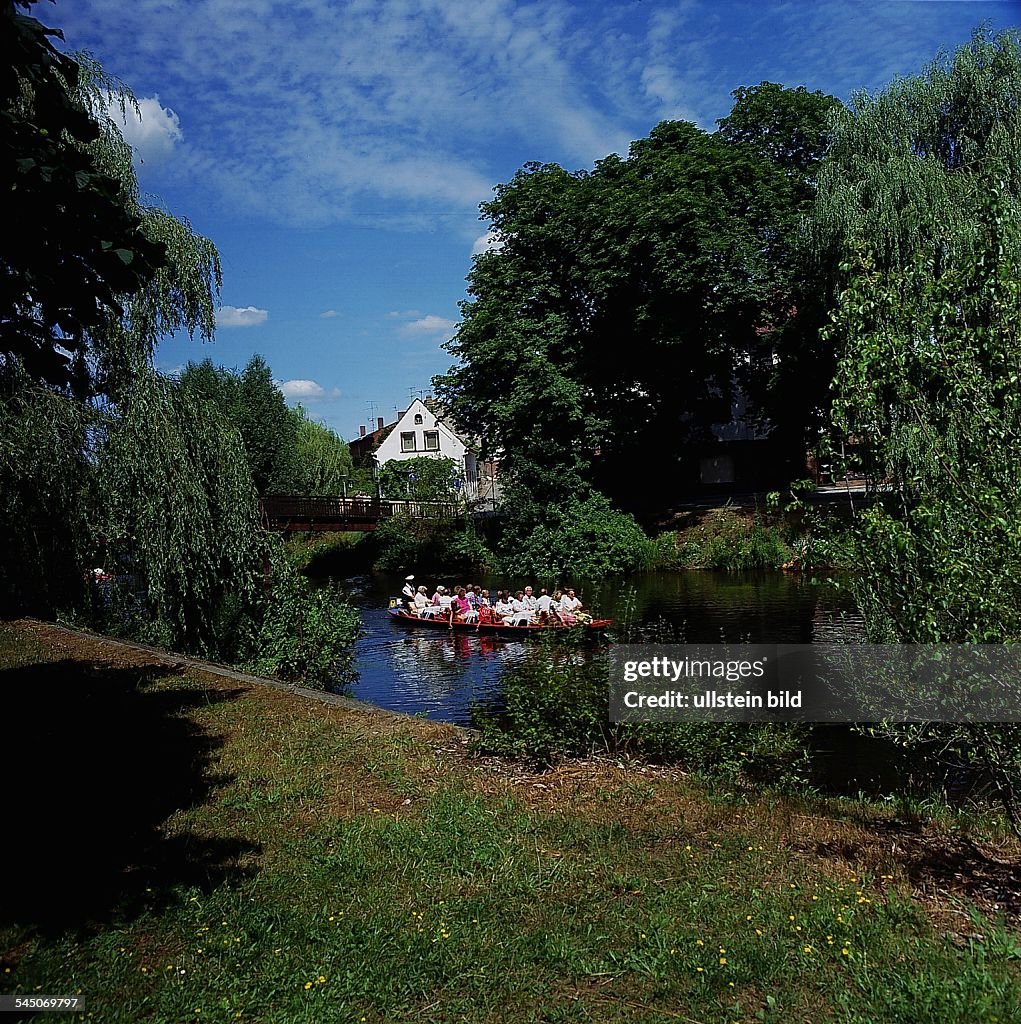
336,152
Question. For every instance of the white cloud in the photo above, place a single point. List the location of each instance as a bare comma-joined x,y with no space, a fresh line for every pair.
486,243
153,131
430,324
241,316
385,113
406,113
328,314
298,389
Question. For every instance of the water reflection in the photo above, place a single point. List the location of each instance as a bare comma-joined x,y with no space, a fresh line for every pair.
440,674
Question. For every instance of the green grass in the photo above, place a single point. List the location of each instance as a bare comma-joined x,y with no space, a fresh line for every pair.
331,865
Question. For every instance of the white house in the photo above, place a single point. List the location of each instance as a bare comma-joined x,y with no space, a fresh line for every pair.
418,432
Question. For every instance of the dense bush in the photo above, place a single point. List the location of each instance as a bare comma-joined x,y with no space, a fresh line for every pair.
555,705
302,632
586,539
403,543
729,540
422,478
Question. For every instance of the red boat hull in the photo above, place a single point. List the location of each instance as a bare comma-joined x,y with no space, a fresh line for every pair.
485,629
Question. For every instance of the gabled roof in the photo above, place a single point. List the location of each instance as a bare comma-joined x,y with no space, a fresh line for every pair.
362,446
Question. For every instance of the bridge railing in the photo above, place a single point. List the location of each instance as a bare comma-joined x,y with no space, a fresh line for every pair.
282,512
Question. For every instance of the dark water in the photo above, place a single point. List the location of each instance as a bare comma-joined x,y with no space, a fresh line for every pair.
439,675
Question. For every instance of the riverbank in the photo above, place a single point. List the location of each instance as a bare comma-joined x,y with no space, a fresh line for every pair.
216,849
737,537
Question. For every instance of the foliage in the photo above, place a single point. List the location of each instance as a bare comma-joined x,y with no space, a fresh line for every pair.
583,540
253,404
268,428
727,540
420,479
609,328
404,544
74,244
271,813
177,506
789,128
322,460
46,483
907,168
305,633
554,706
931,358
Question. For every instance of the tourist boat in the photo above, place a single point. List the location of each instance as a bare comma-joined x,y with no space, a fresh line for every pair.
399,615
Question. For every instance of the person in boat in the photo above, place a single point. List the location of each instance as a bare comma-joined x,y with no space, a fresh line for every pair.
461,609
421,601
408,593
571,604
438,605
487,617
503,609
521,614
545,610
529,600
566,618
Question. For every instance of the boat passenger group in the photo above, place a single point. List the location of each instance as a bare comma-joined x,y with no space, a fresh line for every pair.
471,604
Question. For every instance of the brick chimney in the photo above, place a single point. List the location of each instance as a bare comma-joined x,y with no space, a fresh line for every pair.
379,422
361,430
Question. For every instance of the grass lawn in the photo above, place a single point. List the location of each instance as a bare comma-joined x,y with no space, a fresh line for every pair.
181,847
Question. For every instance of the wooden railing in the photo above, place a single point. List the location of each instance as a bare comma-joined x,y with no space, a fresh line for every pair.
310,515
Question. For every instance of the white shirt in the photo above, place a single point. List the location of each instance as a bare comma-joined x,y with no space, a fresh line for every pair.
421,601
408,591
503,608
569,604
544,602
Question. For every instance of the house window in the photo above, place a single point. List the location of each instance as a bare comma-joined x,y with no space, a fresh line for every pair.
432,440
408,441
418,419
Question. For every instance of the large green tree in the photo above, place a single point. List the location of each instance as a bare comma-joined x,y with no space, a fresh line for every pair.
625,304
921,202
323,463
92,277
255,405
73,246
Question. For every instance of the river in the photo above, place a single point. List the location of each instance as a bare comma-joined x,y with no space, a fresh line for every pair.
439,675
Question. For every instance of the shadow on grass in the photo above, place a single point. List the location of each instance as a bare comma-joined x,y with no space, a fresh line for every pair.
92,762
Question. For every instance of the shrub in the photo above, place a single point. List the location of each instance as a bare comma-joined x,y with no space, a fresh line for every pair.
555,705
403,542
727,539
305,633
582,540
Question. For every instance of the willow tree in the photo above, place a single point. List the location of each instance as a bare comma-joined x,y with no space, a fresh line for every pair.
921,203
323,463
908,168
177,505
95,280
